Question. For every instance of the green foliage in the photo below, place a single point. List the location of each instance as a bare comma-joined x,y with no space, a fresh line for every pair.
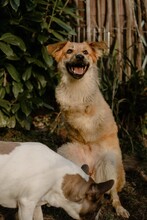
127,98
26,70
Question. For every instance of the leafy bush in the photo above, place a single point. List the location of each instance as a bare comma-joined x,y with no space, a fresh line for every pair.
26,70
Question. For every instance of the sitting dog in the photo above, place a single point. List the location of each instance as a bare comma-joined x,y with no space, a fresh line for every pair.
32,175
90,122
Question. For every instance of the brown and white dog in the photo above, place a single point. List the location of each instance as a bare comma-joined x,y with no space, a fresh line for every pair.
32,175
90,123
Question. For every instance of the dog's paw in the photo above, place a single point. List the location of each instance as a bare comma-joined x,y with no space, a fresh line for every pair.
122,212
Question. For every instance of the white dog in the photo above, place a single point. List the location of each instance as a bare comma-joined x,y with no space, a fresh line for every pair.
32,175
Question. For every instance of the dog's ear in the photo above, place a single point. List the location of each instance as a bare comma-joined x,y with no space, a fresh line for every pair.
54,49
85,168
99,48
74,187
95,191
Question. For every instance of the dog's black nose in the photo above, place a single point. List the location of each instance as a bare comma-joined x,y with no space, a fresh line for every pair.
79,57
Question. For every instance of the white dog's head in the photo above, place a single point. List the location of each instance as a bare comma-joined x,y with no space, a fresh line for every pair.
78,194
84,199
76,58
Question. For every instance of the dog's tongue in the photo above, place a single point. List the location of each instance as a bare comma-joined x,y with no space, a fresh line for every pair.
78,70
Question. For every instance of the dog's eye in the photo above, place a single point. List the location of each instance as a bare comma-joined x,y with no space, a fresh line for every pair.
69,51
85,52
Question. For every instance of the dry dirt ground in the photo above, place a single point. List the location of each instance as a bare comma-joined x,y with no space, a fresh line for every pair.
133,196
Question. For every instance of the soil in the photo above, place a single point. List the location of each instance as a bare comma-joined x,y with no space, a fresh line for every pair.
133,195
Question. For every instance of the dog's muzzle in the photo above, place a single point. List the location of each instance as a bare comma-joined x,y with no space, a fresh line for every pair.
78,68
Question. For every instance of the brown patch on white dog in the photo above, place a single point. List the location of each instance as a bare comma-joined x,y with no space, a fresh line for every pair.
74,187
7,147
89,194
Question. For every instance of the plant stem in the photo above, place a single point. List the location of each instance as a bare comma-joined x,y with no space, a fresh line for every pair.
55,4
64,7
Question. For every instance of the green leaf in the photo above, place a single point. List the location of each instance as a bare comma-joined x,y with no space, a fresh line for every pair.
13,72
70,12
44,25
1,81
43,2
14,57
4,3
29,85
17,88
42,39
72,32
48,106
27,74
26,107
15,4
64,33
2,92
3,120
34,16
8,90
23,121
57,35
2,72
5,104
6,49
35,61
11,122
40,63
30,59
26,124
31,4
15,108
38,102
47,58
14,40
62,24
41,80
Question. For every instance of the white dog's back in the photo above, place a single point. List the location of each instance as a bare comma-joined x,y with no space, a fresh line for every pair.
32,175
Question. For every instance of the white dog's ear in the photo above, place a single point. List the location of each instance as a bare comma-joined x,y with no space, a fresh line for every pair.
54,49
97,190
74,187
99,48
85,168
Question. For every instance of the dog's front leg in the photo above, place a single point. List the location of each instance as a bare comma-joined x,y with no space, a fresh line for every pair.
38,215
120,210
107,169
26,210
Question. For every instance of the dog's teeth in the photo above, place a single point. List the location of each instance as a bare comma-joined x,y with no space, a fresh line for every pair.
78,70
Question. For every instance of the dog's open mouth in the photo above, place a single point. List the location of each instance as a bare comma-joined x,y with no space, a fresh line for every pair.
77,70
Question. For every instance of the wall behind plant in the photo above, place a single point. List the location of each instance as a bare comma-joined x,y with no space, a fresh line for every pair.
26,70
